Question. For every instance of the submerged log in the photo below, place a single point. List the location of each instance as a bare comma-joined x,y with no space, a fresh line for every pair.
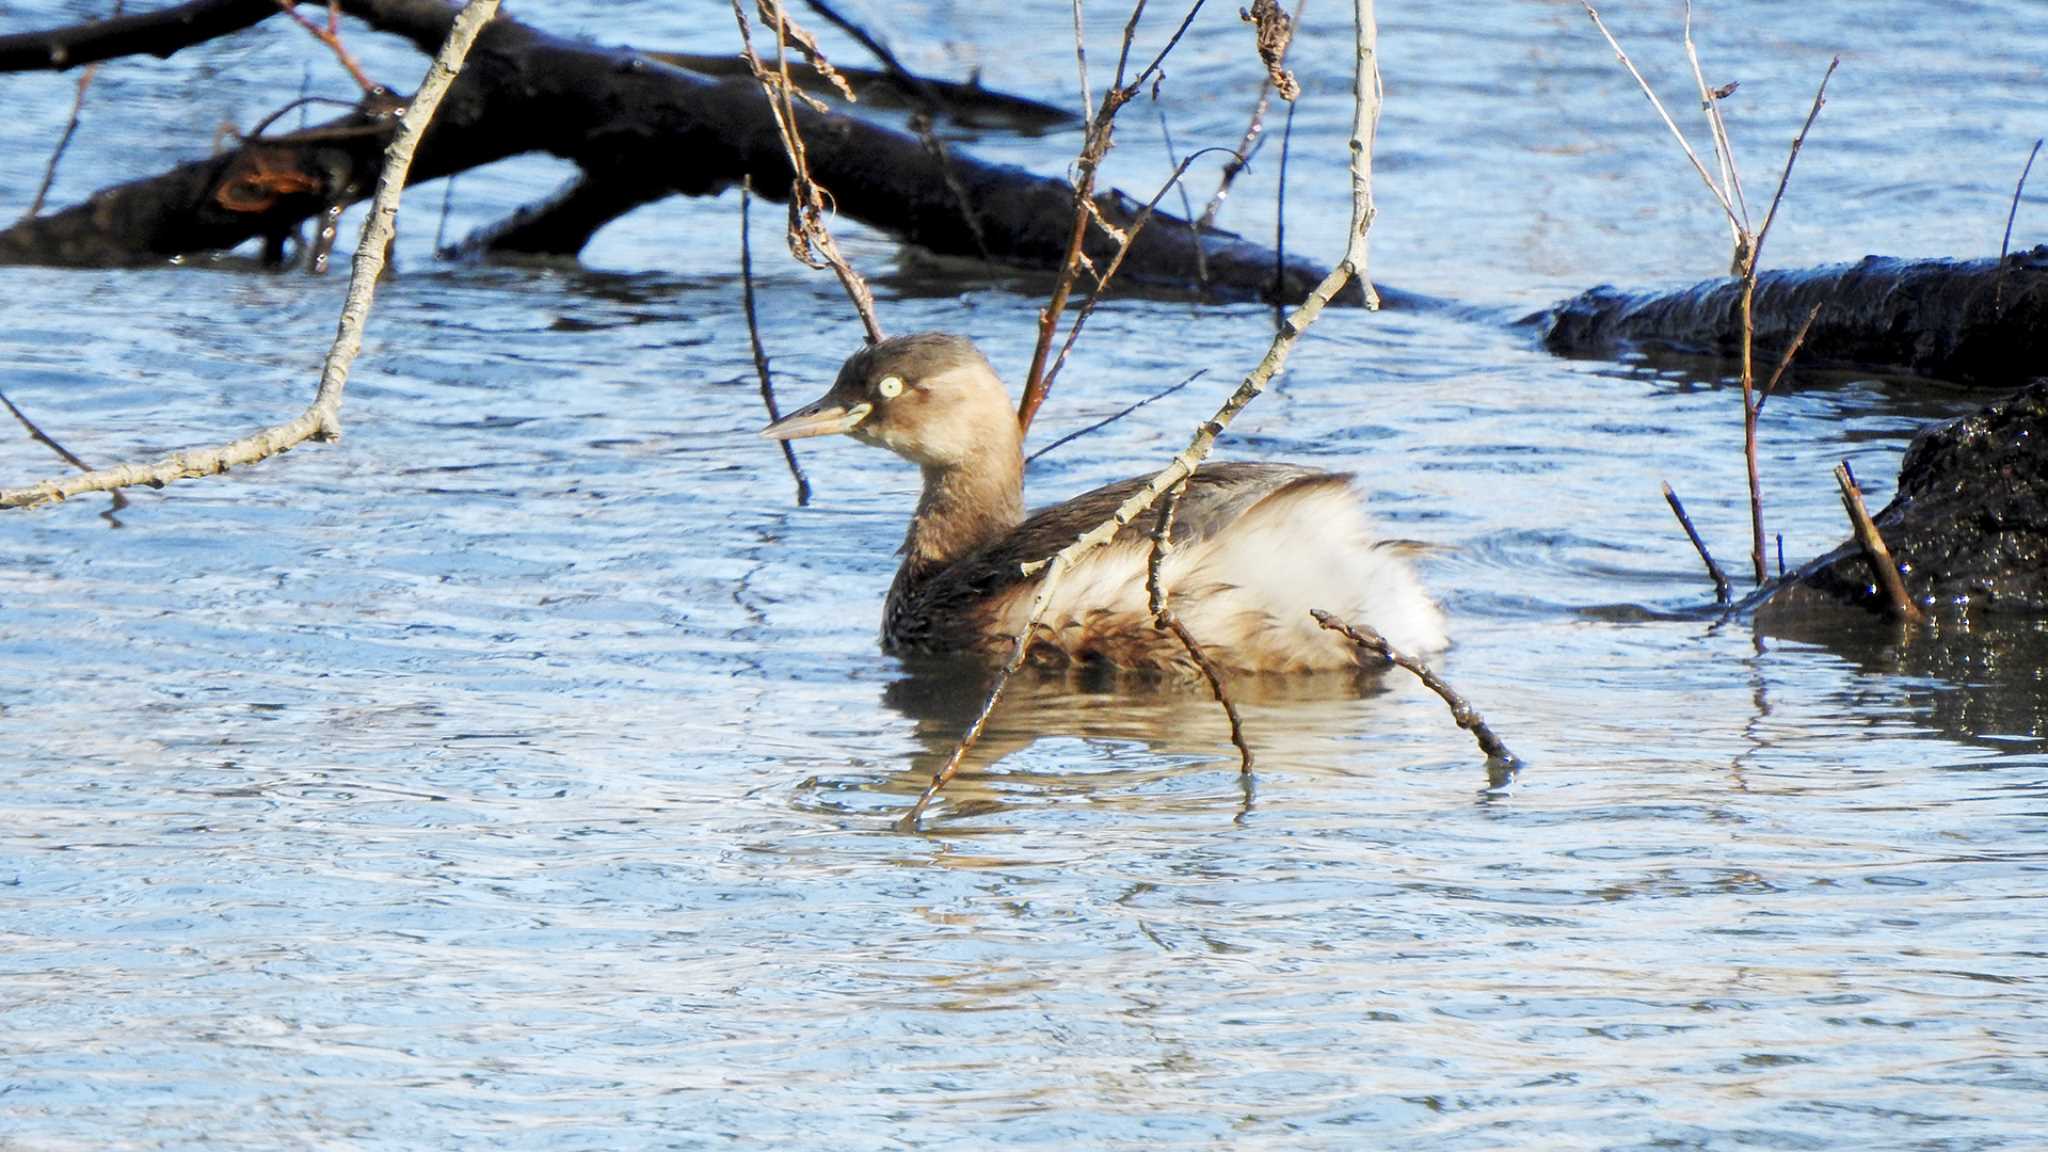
1974,321
609,110
1968,526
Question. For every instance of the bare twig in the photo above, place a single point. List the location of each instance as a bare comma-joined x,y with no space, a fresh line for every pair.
1163,618
71,129
1095,145
2004,243
1785,360
810,238
1724,152
796,470
331,36
1748,244
1466,716
1720,578
1108,420
322,420
1280,212
67,455
1053,568
1720,197
1124,239
1792,157
1882,568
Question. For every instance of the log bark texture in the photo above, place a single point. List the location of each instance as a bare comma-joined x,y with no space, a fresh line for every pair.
1968,526
1973,321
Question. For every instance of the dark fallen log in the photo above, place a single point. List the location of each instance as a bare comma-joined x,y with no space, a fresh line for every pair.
609,110
1968,526
1974,321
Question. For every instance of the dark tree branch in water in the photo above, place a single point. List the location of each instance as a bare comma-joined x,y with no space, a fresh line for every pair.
1714,572
1939,318
608,110
796,470
563,224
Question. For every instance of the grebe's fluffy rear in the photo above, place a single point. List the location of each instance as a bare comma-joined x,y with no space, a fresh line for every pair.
1255,545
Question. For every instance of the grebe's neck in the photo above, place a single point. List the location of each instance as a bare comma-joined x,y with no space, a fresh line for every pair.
964,507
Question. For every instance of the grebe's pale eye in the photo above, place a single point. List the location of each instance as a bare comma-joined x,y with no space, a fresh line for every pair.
890,387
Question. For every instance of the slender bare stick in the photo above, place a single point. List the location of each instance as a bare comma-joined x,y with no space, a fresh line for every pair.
1466,716
1106,421
1163,617
2004,243
321,421
1125,239
1880,557
1055,567
1252,131
71,129
1719,196
331,36
796,470
1095,145
1724,150
1785,360
1720,578
1792,157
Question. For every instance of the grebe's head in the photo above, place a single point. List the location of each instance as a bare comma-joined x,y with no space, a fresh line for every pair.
931,398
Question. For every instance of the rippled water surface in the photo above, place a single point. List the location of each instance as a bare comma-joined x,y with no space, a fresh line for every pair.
520,770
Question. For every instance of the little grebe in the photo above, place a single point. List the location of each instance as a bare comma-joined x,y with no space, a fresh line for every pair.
1255,545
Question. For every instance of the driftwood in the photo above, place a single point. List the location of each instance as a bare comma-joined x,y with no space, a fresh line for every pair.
1968,526
612,111
1974,321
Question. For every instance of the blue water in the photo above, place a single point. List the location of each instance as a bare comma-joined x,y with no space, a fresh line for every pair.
520,771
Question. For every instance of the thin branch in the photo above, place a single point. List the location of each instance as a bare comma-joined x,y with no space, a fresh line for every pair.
2004,243
331,36
1108,420
1056,566
1698,167
803,482
1081,60
810,238
1692,533
1466,716
1717,126
1163,618
1125,238
1785,361
36,433
1720,578
71,129
1095,145
322,420
1792,157
1885,572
